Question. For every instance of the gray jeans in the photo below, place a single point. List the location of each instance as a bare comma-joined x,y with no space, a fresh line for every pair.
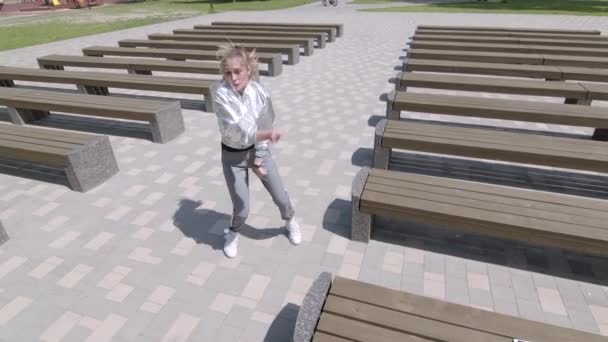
236,167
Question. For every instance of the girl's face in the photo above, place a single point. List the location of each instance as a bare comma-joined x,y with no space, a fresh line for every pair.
236,73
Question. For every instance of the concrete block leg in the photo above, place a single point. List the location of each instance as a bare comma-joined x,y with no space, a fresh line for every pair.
309,47
293,57
275,66
20,116
382,155
578,101
311,308
168,123
321,42
139,72
93,90
391,113
7,83
91,165
600,134
361,226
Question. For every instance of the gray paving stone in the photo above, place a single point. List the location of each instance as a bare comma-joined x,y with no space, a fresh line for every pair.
326,119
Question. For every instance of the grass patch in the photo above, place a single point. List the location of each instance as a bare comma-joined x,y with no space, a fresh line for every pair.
569,7
13,37
22,32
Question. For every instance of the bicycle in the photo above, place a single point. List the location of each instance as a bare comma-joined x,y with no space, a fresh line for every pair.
330,2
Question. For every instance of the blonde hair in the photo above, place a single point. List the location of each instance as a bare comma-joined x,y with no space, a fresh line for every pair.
238,51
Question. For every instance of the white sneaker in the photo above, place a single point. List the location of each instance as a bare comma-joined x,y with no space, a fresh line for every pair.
293,230
231,243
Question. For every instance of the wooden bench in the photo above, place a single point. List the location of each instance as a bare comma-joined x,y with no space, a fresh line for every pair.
273,60
536,217
548,72
25,105
527,111
331,32
489,144
508,58
342,309
306,43
338,27
507,29
319,37
132,65
573,92
512,34
511,48
595,44
292,51
87,159
97,83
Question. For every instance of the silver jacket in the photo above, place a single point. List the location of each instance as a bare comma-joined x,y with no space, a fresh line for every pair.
241,116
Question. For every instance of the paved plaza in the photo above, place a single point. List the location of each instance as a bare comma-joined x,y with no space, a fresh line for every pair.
140,257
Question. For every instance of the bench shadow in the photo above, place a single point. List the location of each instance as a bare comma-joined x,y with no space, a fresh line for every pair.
337,217
512,253
33,171
283,325
362,157
206,226
374,119
96,125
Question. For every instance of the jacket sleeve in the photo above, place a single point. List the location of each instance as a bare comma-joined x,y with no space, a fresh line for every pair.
265,122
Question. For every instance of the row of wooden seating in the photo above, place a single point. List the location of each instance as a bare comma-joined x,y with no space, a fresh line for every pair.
548,72
508,58
97,83
543,218
165,118
273,61
341,309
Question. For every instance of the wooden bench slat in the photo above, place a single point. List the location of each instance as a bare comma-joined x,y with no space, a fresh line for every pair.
406,322
527,142
129,63
513,40
50,134
63,145
497,69
54,156
529,111
507,29
559,222
338,27
510,58
513,34
477,56
540,196
323,337
291,50
319,37
330,31
503,151
493,85
538,49
494,198
359,331
306,43
456,314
